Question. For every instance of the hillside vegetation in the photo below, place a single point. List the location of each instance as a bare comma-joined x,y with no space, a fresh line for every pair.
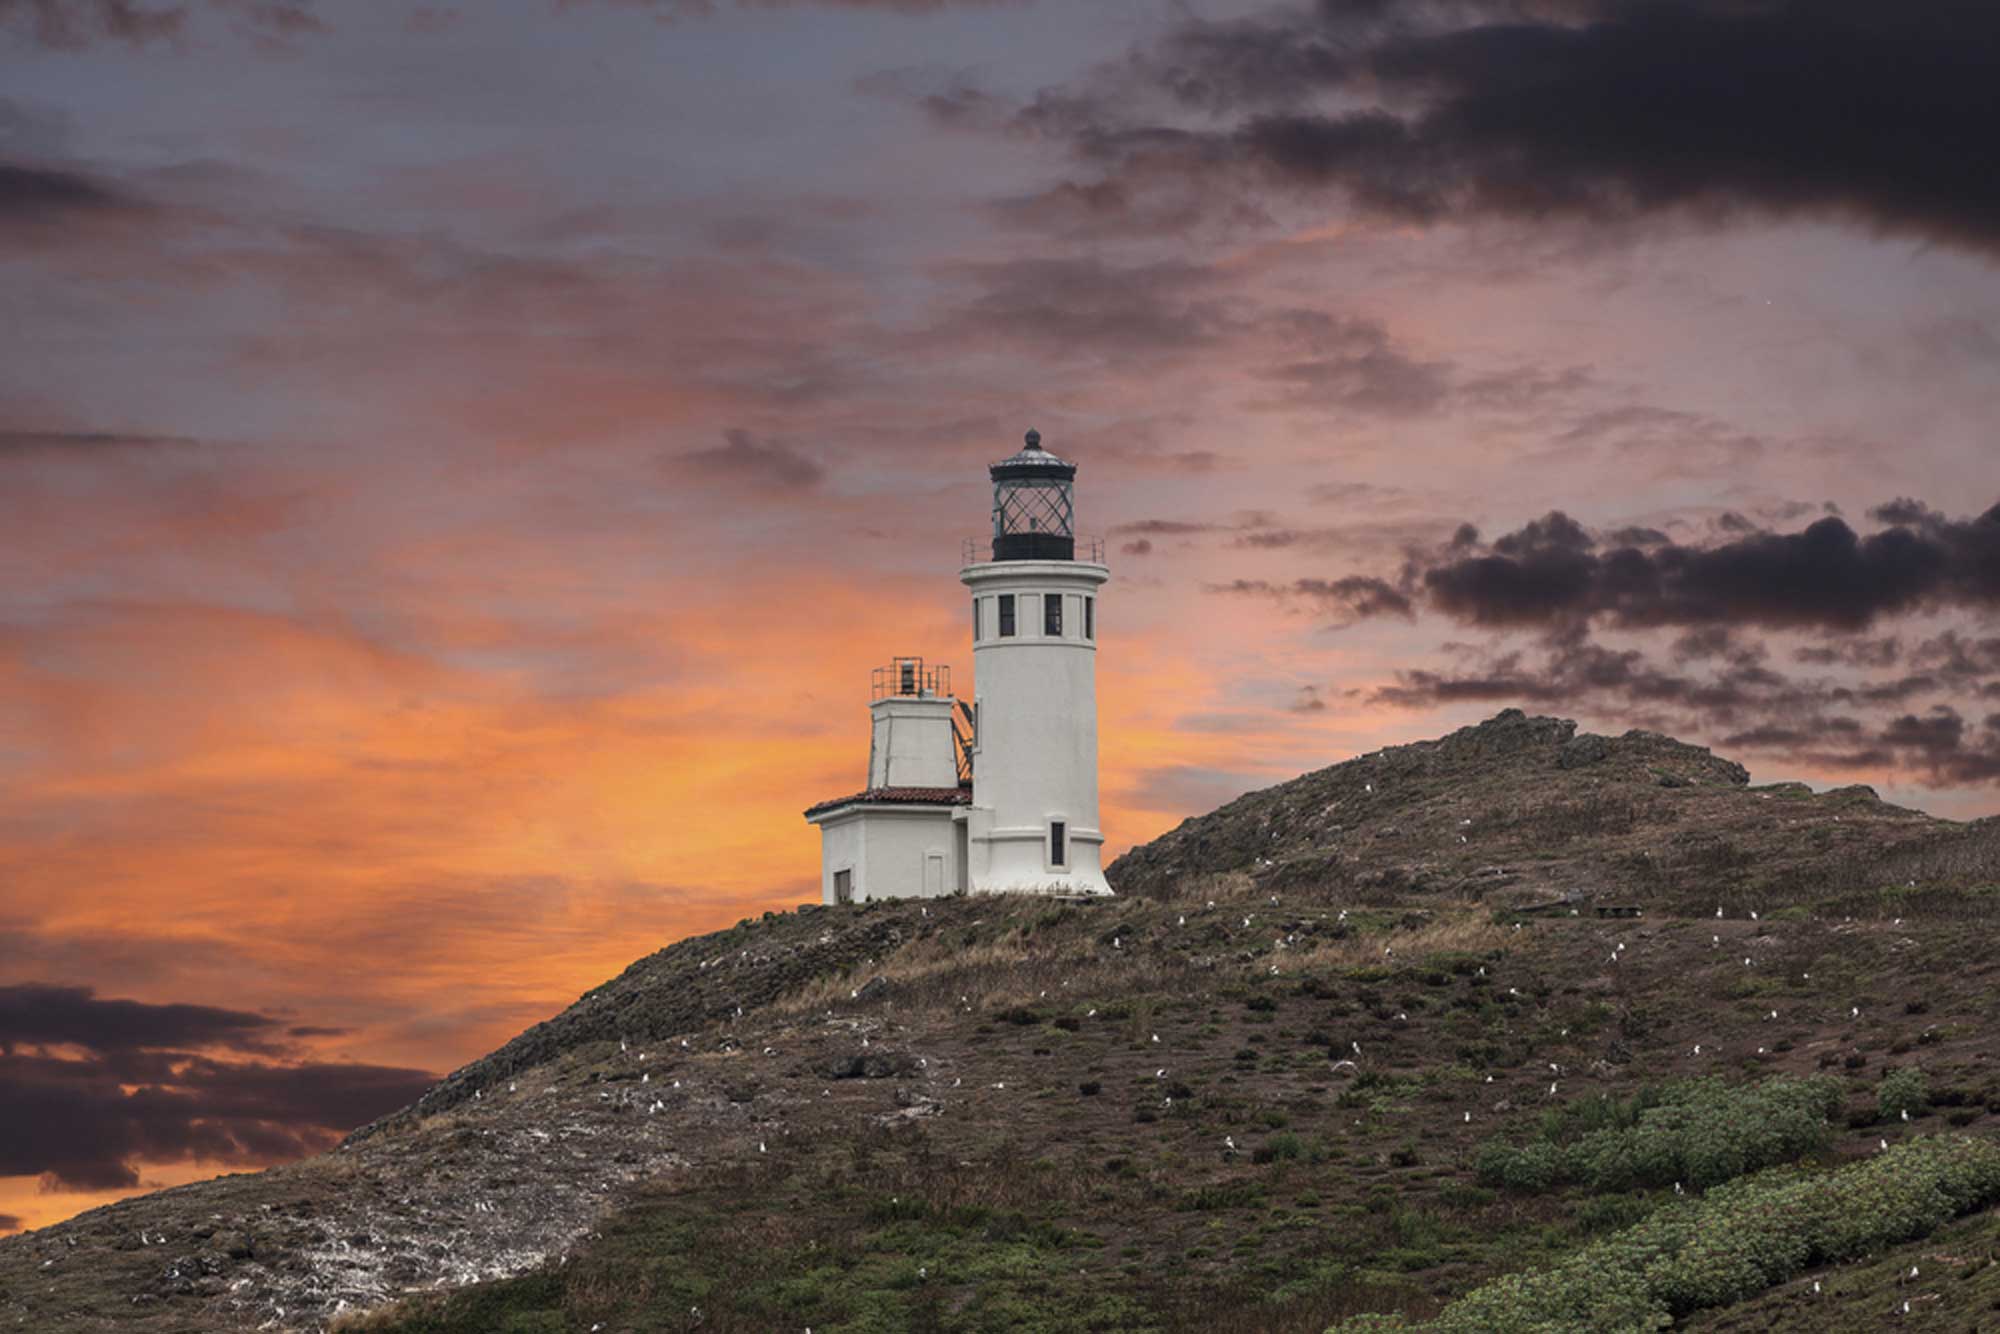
1513,1026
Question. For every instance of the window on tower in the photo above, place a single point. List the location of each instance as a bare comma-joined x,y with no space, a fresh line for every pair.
1058,843
1090,618
1006,615
1052,614
977,632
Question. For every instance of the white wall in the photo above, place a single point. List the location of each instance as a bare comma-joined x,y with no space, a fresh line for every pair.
890,849
1037,756
911,743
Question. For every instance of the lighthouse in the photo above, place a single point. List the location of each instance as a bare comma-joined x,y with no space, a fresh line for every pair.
1022,815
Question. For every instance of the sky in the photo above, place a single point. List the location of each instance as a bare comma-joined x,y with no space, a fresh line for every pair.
459,463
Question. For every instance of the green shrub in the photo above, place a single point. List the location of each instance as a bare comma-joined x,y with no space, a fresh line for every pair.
1903,1091
1701,1132
1731,1244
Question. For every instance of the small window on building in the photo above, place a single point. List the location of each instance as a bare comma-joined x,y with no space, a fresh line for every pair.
1090,618
1006,615
977,632
1052,614
909,686
843,886
1058,843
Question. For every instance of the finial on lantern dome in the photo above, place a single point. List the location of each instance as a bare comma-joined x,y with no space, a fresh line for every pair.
1034,439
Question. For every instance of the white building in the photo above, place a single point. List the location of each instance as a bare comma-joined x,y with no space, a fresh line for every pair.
999,796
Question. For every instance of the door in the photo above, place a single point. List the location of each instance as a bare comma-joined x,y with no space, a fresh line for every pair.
934,873
843,886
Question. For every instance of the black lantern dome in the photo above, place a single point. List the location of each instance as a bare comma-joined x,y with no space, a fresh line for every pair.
1034,510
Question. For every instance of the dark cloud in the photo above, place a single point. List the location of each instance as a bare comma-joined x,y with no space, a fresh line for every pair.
1356,597
1597,110
10,1223
39,1014
43,196
76,23
1874,654
72,24
744,460
18,444
148,1088
1553,572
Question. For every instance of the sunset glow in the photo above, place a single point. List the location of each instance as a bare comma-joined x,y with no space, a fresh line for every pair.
458,466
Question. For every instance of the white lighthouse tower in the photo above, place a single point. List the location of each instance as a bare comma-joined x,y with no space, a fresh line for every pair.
999,796
1032,824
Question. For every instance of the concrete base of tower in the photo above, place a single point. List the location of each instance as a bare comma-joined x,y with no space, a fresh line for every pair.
1021,861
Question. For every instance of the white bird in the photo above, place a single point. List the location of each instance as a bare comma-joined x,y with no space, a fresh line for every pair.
1854,1012
1156,1037
1718,910
1906,1113
1356,1046
1884,1146
1468,1118
1678,1190
1160,1073
760,1146
1746,961
1913,1271
1815,1285
1552,1090
1229,1143
1773,1014
1697,1049
1182,921
1753,916
621,1044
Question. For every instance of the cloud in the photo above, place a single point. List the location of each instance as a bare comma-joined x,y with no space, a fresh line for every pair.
1353,598
73,24
1553,572
744,460
147,1088
41,196
76,23
21,444
39,1014
1599,111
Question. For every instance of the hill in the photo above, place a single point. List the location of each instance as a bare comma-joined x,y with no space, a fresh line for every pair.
1362,1042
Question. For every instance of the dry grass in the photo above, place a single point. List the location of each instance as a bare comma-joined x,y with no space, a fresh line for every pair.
1465,928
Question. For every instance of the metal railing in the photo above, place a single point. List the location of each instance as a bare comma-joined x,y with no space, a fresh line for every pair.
979,550
909,676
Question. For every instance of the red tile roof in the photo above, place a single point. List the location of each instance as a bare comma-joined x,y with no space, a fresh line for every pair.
897,796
